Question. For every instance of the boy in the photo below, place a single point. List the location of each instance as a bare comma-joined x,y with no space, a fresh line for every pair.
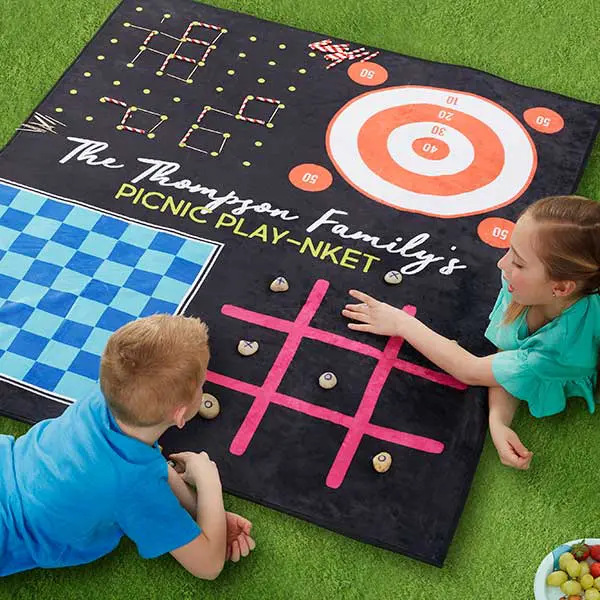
71,487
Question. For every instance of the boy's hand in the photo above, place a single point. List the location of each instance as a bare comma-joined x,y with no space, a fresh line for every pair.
511,451
197,469
239,542
375,316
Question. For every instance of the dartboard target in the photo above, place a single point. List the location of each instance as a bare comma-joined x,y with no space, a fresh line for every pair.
432,151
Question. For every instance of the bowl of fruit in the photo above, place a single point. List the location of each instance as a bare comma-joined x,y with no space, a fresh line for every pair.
570,572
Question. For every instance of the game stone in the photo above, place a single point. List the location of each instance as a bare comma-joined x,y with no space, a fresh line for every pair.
393,277
279,284
328,380
247,348
382,462
210,407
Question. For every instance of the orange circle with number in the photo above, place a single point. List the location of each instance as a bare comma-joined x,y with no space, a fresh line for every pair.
310,177
496,232
367,73
431,148
544,120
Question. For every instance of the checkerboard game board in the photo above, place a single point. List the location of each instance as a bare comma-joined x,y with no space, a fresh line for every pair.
71,275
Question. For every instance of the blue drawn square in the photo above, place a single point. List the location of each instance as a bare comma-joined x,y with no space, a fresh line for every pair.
70,281
97,341
43,323
28,245
7,285
28,344
84,218
73,334
58,355
56,254
7,236
142,281
84,263
130,301
55,210
43,376
112,319
126,254
15,265
171,290
98,245
86,364
41,227
196,252
14,313
15,219
74,386
14,365
42,273
57,303
86,311
7,334
28,293
70,236
155,262
158,307
114,273
165,242
27,202
138,236
110,227
7,194
100,291
183,270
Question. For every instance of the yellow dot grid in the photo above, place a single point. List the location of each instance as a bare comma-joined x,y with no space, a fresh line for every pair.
89,118
219,89
176,99
114,41
252,38
302,71
261,80
87,74
282,46
258,143
242,55
139,9
231,72
272,63
146,91
246,163
72,92
58,109
100,57
116,82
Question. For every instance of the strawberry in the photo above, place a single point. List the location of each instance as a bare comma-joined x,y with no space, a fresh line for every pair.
595,569
595,552
580,551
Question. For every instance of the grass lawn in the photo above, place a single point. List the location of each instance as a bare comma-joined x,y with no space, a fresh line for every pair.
512,519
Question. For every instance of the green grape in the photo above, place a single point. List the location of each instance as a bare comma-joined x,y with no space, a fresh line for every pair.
587,581
573,568
571,588
585,568
565,558
557,578
592,594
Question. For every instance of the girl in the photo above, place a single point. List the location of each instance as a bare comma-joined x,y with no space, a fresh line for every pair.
545,323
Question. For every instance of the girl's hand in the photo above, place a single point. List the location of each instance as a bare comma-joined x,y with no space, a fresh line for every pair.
375,316
511,451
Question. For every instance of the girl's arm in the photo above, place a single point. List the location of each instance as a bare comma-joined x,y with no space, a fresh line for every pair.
377,317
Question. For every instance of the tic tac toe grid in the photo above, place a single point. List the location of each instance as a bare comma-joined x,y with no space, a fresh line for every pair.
70,276
358,425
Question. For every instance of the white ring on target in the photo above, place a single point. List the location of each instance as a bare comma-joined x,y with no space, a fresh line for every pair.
520,158
400,143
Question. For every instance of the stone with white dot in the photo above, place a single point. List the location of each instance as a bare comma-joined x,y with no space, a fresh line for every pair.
327,380
279,284
393,277
382,462
210,407
247,347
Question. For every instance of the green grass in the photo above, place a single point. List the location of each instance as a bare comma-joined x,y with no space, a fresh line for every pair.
511,519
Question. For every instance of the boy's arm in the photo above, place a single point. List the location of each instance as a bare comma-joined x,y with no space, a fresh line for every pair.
204,556
185,494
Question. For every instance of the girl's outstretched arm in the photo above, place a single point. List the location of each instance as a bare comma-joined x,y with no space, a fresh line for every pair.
378,317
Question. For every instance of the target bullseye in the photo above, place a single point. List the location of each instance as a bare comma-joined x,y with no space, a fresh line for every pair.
432,151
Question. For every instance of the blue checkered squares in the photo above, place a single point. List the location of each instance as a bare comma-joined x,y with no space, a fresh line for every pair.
71,276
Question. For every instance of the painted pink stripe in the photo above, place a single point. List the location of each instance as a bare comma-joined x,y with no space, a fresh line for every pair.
320,412
347,450
435,376
417,442
280,366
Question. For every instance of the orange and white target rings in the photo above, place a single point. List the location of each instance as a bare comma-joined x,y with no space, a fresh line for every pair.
432,151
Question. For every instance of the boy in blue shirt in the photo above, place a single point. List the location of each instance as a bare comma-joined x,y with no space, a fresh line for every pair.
71,487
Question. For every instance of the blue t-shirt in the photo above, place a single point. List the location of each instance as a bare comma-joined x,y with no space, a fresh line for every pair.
554,363
71,487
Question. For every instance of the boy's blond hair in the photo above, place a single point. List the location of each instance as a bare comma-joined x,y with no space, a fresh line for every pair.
152,365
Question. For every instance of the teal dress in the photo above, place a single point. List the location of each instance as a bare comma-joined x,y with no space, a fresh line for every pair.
556,362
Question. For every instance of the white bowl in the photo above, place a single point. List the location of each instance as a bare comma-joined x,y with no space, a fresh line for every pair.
546,592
